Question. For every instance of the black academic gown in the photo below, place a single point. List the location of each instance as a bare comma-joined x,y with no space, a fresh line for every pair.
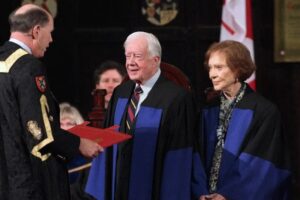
33,147
156,164
255,161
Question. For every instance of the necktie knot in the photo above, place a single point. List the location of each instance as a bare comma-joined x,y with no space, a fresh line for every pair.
138,89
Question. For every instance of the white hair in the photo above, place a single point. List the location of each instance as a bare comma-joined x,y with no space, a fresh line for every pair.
154,48
70,112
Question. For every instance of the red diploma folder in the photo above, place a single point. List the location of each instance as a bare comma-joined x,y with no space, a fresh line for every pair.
105,137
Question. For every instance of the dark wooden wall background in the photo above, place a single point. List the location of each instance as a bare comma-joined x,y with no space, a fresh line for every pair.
88,32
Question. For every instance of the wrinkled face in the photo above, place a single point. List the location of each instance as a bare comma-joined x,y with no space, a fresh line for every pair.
42,38
108,80
222,77
67,123
140,65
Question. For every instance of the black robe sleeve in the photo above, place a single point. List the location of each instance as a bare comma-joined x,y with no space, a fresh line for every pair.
38,108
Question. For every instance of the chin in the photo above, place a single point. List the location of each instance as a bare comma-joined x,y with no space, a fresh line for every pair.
40,55
106,99
217,88
134,78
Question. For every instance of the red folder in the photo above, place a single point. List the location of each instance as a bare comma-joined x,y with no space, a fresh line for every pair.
105,137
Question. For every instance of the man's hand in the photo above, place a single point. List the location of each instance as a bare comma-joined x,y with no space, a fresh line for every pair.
89,148
214,196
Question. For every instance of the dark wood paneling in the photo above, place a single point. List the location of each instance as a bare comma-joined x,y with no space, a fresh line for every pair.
278,82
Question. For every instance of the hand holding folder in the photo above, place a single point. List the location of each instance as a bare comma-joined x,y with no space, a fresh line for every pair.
104,137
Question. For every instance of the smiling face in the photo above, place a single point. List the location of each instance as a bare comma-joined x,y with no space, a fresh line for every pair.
222,77
108,80
140,65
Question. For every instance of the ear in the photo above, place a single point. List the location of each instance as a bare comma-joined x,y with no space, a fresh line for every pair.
156,59
236,75
36,31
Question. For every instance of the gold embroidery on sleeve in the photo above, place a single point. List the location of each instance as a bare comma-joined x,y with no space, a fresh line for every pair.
49,137
34,129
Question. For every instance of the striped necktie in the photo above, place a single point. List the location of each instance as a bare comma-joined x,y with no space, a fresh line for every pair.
132,107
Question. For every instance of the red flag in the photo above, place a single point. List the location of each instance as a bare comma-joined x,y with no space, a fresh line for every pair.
237,25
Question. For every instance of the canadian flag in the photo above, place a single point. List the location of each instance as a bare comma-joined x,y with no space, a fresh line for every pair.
237,25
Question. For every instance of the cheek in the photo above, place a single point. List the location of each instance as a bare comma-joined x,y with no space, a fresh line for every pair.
42,41
101,86
229,77
214,73
129,61
46,39
116,84
146,67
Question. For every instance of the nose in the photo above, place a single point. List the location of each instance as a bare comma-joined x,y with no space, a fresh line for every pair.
130,59
212,73
111,84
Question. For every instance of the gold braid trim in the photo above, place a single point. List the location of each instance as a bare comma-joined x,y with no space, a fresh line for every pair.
36,149
82,167
8,63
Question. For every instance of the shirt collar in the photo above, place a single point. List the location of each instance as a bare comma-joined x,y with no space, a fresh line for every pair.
21,44
146,87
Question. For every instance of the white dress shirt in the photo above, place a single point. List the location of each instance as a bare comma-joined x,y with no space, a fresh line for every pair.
146,87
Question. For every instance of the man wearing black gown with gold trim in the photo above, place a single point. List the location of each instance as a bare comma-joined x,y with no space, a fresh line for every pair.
33,148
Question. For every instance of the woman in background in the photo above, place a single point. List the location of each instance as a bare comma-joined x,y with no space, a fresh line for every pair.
79,166
69,116
108,75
